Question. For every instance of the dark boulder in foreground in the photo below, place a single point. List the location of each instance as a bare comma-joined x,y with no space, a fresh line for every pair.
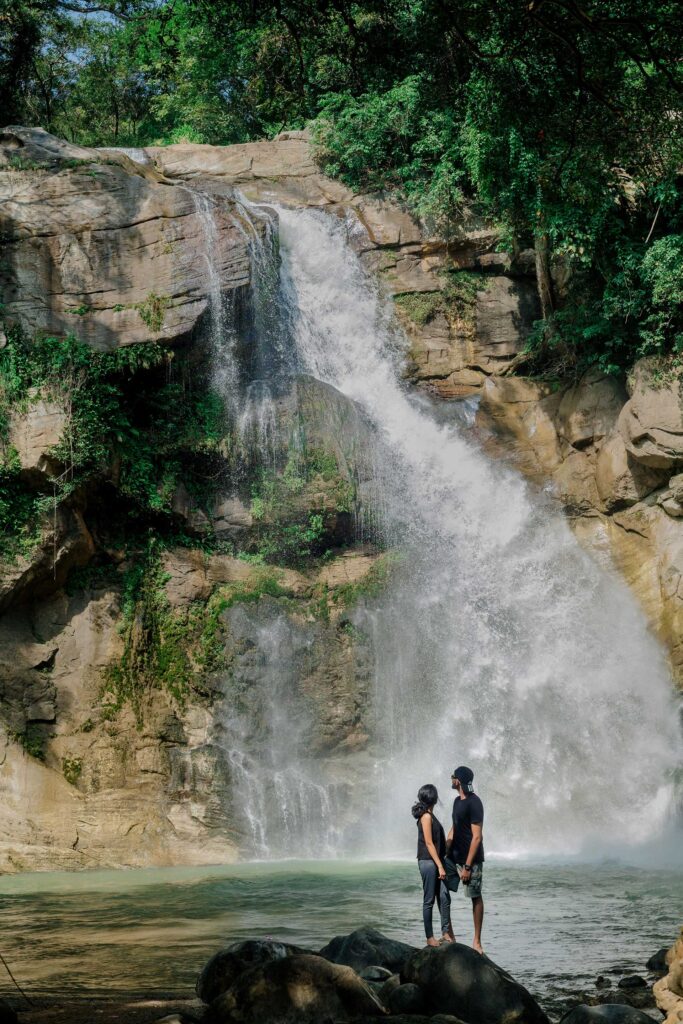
456,980
657,961
305,989
7,1014
366,947
608,1013
407,999
227,965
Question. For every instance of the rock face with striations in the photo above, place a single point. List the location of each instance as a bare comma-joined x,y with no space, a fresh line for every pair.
103,248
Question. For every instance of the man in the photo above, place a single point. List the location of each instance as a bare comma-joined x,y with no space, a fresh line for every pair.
465,846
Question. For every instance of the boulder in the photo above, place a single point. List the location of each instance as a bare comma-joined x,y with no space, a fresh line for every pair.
228,964
657,961
609,1013
303,989
7,1014
651,422
621,480
668,991
366,947
457,980
388,987
589,410
407,999
632,981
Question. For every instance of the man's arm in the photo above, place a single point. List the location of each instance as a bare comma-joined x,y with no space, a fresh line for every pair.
472,852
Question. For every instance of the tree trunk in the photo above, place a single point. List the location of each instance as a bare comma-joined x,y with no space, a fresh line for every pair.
544,281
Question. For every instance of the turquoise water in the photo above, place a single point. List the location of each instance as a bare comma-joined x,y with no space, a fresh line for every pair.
554,927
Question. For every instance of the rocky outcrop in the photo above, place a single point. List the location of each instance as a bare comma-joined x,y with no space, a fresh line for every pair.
105,787
367,947
302,989
668,991
616,473
457,980
98,246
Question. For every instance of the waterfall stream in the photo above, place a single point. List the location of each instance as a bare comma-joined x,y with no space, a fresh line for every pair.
498,643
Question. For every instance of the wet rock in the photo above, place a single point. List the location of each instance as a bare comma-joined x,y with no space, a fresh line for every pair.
7,1014
611,1013
228,964
632,981
657,961
304,989
640,998
366,947
407,999
375,973
388,987
456,980
601,982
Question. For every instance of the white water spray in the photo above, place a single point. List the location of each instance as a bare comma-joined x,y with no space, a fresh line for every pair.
500,644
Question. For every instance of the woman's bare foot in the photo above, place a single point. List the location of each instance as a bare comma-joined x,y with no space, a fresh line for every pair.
477,947
432,942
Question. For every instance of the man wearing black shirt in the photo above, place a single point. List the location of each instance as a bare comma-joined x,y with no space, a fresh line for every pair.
465,846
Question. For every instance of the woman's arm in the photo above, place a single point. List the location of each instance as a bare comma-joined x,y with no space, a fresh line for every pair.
426,822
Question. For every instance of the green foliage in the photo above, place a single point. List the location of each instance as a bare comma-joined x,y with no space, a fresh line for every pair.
72,768
166,427
32,740
456,300
167,647
153,311
372,584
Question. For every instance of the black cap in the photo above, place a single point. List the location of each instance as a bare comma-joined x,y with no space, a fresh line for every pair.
465,777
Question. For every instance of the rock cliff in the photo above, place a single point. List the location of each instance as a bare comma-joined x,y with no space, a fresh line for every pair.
118,687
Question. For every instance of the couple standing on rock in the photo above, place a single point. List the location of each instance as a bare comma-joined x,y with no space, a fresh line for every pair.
445,862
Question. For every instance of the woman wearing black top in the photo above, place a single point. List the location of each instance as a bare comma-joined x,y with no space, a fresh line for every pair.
431,850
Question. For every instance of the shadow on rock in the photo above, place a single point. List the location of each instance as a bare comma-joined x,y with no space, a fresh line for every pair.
366,947
305,989
456,980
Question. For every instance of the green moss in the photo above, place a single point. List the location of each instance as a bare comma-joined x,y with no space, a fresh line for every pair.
32,740
456,300
371,585
420,307
80,310
71,769
153,310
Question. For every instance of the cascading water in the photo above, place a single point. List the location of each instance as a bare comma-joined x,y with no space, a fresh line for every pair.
498,642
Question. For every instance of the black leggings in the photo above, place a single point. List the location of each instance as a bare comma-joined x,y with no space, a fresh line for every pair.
433,887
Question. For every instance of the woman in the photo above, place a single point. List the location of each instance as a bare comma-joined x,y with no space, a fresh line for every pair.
431,849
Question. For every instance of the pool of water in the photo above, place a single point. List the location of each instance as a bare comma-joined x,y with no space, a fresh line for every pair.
553,927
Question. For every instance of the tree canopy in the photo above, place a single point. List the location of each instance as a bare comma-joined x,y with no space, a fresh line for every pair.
560,120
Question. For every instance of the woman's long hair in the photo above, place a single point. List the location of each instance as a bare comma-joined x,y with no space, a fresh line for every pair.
426,798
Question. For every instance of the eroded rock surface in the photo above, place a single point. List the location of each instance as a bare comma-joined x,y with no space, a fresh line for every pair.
100,247
617,477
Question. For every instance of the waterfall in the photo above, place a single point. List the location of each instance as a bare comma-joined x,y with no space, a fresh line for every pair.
499,643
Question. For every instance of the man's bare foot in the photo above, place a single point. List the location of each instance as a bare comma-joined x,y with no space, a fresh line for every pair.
447,938
432,942
477,947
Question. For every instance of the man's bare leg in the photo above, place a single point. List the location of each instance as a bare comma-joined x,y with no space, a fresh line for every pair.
478,915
